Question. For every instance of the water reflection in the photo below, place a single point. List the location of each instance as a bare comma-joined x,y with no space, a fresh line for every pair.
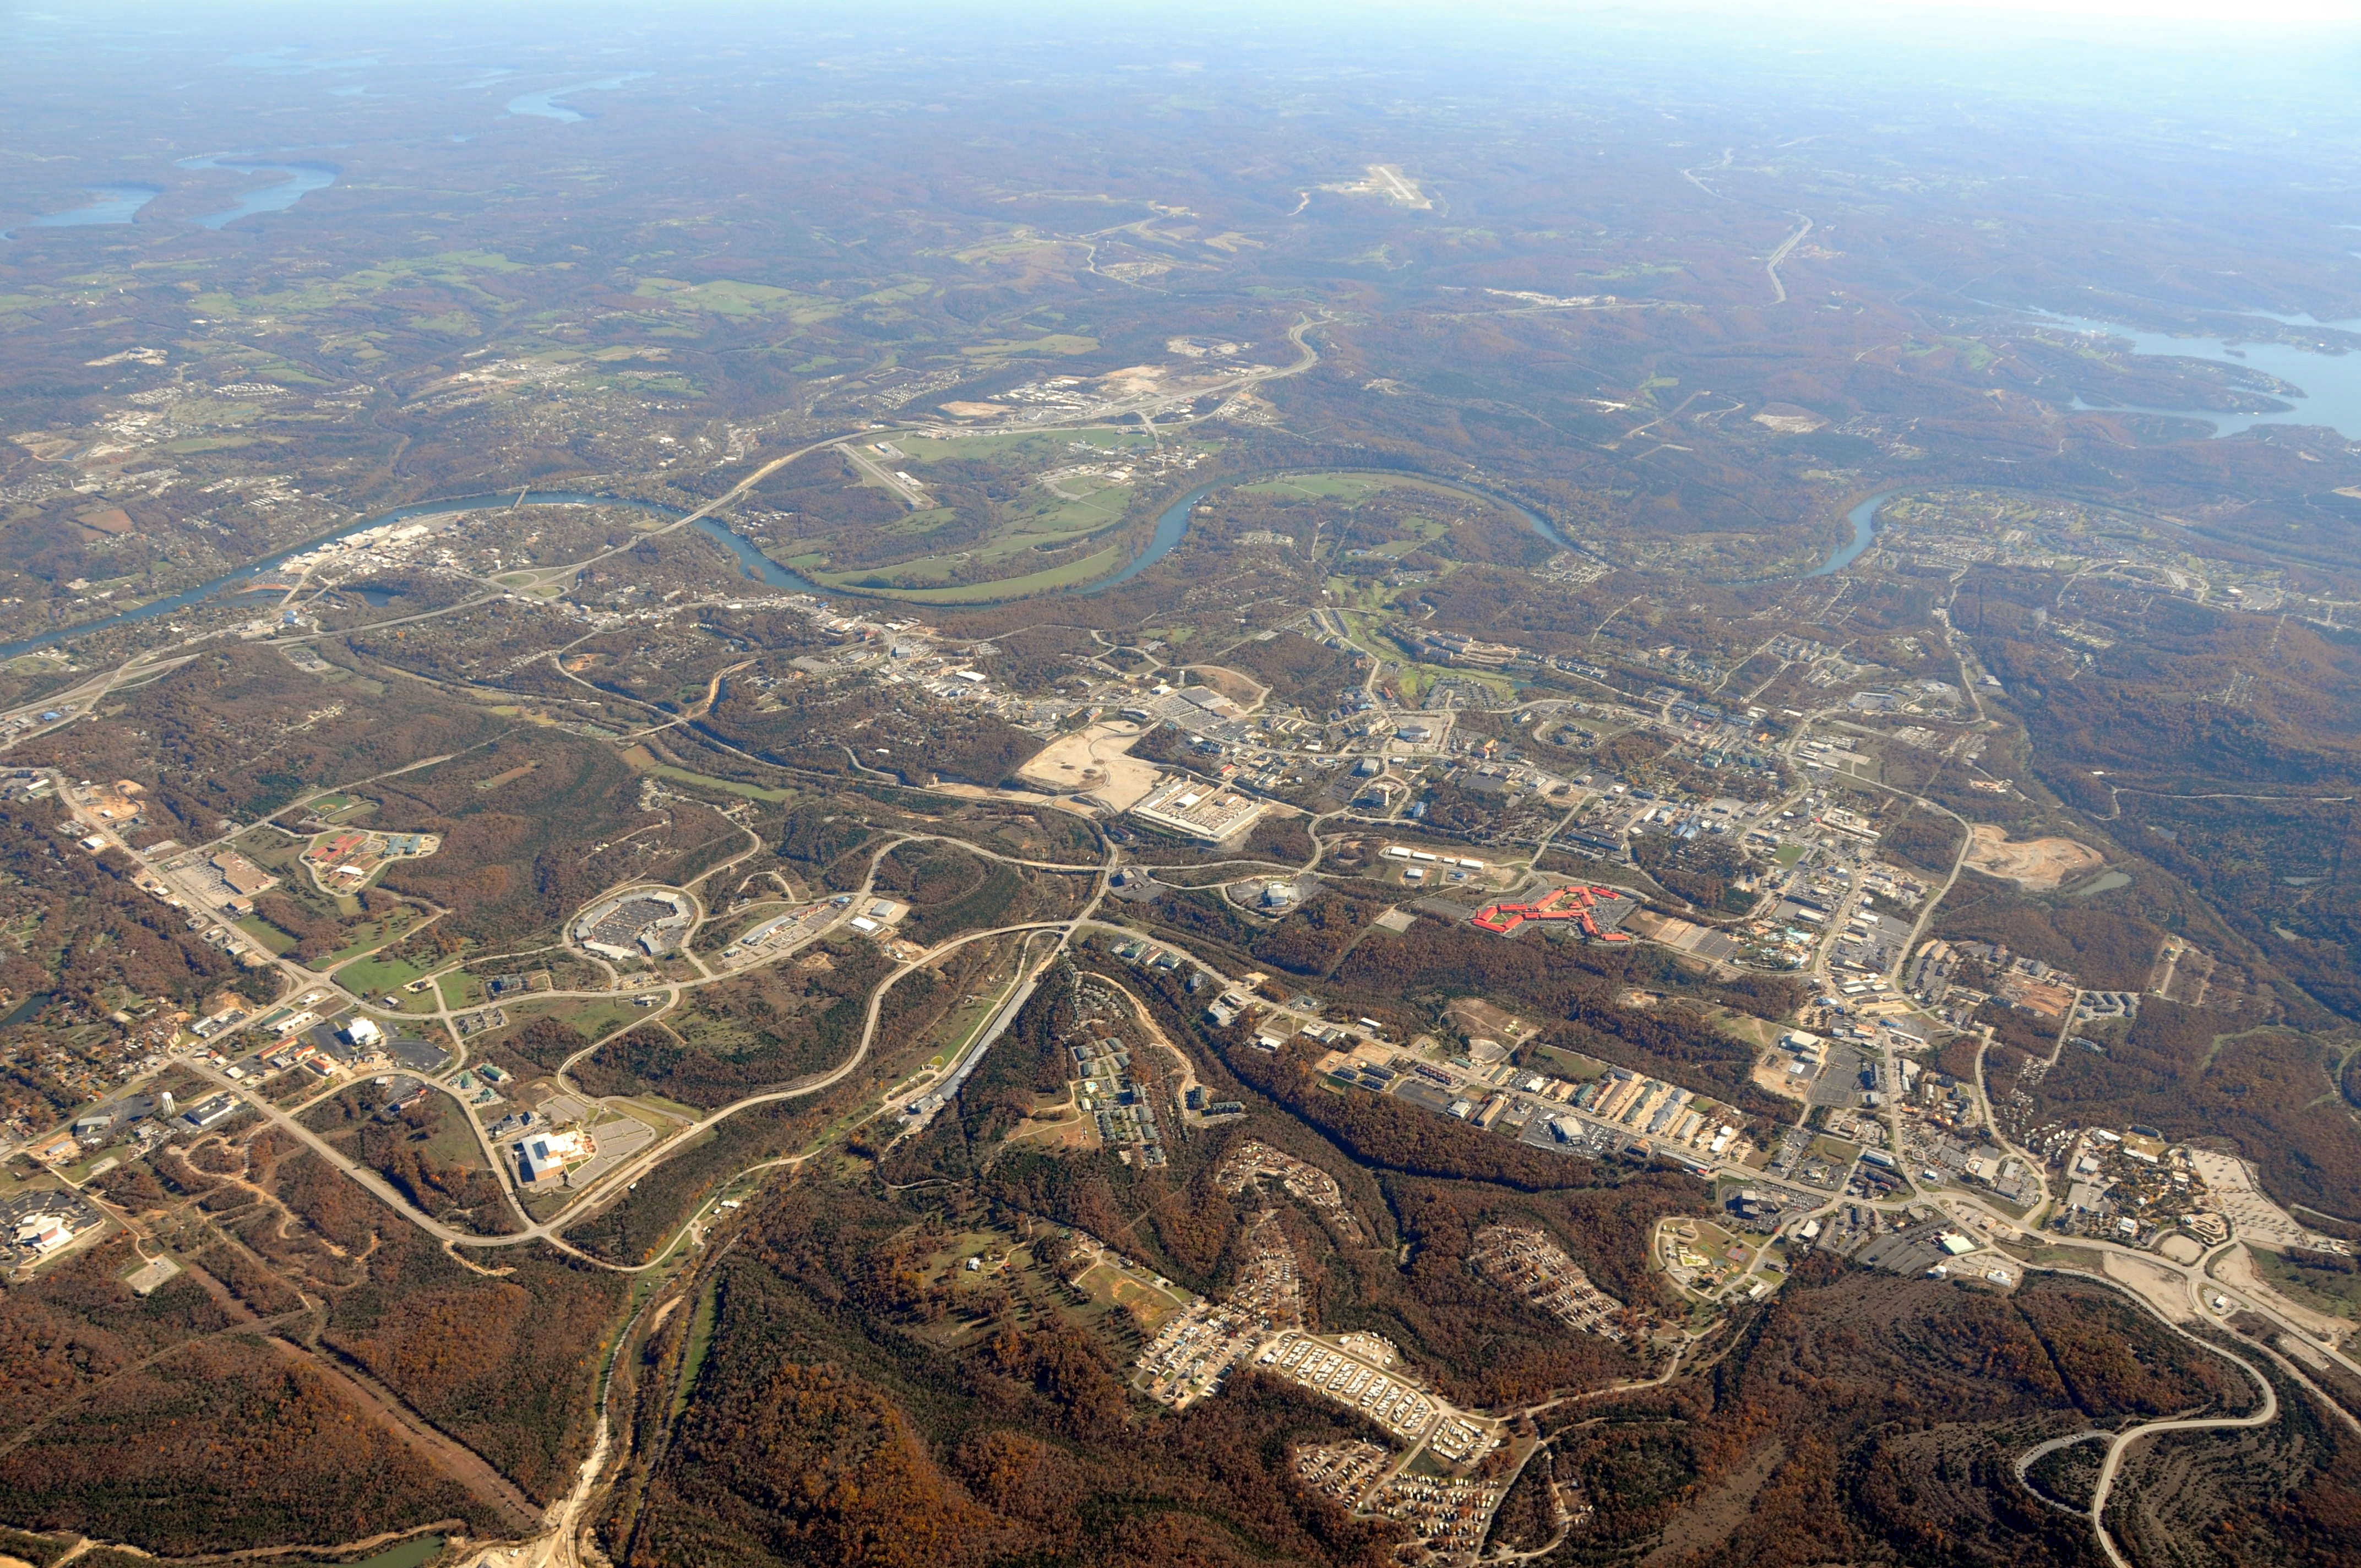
302,179
114,204
549,105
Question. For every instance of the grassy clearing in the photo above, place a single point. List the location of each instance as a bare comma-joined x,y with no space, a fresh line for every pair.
1325,487
1129,1291
1580,1070
595,1018
729,297
1754,1031
1088,568
269,935
660,1110
701,1343
646,762
377,976
2337,1295
453,1143
1039,447
1055,343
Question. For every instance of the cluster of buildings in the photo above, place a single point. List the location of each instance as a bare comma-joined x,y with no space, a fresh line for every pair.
1451,1514
2132,1188
2016,980
1200,1100
1341,1470
1598,910
1622,1098
1615,1111
229,881
1192,1354
781,933
1254,1160
643,922
1107,1093
1461,1441
1527,1262
1450,648
1326,1368
1427,867
344,860
17,724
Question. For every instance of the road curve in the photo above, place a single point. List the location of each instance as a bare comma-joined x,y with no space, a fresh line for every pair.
2112,1463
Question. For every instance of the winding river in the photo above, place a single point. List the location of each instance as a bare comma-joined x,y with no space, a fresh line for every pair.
1863,519
234,581
1171,527
1173,522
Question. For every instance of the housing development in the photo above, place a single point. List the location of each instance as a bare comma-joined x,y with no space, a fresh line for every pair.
1179,790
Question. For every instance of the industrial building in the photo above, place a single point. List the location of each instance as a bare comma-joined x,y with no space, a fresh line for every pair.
1200,811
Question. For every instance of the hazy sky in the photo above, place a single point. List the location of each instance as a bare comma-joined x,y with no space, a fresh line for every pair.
2220,13
2232,12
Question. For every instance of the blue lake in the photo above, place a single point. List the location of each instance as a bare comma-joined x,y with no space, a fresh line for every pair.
549,104
2330,381
302,179
112,204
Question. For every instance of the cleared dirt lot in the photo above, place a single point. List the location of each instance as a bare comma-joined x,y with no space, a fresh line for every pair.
1067,763
2037,863
2235,1268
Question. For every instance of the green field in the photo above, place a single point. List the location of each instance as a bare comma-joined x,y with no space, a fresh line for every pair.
1044,449
415,1552
595,1018
269,935
1029,518
1323,486
1055,343
705,781
1088,569
378,976
658,1108
700,1342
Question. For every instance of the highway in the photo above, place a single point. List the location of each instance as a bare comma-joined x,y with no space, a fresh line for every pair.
1778,287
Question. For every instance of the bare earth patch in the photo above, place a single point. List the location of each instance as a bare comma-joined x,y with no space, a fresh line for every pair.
1095,761
2040,864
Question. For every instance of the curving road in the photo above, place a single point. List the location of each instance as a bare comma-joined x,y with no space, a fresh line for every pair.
2112,1463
